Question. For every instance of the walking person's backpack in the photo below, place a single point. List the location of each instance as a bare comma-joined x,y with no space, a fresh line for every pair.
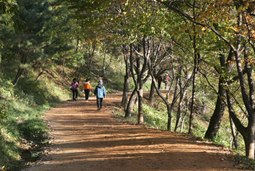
74,86
95,91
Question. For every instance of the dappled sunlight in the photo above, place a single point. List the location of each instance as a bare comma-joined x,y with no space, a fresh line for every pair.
87,139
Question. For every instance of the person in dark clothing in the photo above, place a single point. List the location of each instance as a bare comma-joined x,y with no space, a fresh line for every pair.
74,88
160,79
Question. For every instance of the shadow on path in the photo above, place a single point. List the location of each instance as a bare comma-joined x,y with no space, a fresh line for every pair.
87,139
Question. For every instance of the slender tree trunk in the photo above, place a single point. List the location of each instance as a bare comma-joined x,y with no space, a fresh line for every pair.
126,84
139,93
131,99
140,103
125,92
21,70
233,133
195,69
248,102
129,104
171,105
18,75
40,74
178,114
246,132
251,103
152,93
184,116
168,106
140,76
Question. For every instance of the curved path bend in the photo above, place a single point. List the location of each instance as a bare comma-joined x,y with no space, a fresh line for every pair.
85,139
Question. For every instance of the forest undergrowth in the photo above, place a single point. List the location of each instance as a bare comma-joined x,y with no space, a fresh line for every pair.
23,132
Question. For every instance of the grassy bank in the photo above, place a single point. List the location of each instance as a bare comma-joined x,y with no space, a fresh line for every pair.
23,132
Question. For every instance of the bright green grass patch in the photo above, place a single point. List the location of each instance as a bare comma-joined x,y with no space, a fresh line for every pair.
152,118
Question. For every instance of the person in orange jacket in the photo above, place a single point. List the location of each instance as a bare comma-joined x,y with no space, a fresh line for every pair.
87,88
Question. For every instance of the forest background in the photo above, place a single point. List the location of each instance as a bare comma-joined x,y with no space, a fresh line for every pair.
206,46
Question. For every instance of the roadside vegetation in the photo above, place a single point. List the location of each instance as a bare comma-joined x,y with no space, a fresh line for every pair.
155,117
24,134
205,47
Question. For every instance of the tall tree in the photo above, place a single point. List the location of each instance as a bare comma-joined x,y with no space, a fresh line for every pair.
236,39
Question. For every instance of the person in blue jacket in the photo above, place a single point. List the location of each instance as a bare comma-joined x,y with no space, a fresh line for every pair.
100,93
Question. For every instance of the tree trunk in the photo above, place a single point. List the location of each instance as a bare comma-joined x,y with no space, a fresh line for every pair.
40,74
184,116
21,70
251,143
152,93
140,103
215,120
233,133
193,95
195,69
124,100
243,130
130,104
169,117
181,91
141,70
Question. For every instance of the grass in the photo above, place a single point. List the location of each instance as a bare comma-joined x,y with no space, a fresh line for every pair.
22,129
156,118
23,132
152,118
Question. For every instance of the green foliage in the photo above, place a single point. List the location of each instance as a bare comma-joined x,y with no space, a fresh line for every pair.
36,91
154,118
224,135
22,130
34,131
199,128
6,89
85,35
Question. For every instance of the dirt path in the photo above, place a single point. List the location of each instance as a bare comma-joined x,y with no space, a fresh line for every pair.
87,139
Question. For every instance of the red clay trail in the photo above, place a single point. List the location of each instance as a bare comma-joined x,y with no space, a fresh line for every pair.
85,139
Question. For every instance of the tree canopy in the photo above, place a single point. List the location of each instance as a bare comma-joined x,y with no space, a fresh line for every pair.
206,46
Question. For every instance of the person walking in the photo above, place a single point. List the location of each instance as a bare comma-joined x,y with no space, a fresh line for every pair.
74,88
167,81
100,93
160,79
87,88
